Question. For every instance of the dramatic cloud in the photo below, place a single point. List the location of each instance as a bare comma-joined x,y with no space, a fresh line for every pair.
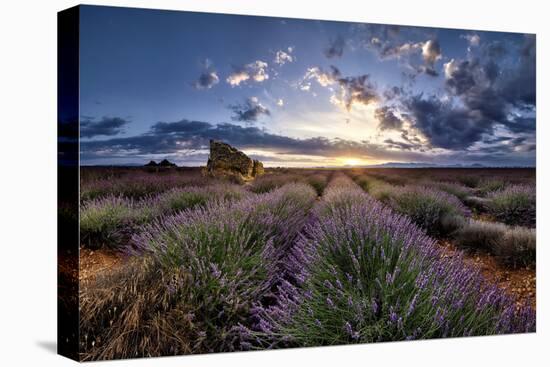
322,77
495,93
395,51
388,43
393,92
431,52
399,145
445,125
387,119
519,84
250,111
335,48
107,126
189,137
473,39
256,71
355,90
460,75
207,80
350,91
282,57
183,127
483,92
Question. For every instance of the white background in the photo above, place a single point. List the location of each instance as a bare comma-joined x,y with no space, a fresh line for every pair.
28,181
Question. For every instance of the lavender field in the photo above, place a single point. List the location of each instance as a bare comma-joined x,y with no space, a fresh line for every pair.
322,183
301,257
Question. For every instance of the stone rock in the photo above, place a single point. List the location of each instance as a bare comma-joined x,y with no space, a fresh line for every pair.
225,160
258,168
152,164
166,163
163,163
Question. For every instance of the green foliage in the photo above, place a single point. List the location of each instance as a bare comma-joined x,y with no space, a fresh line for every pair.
318,182
514,205
427,207
107,221
200,274
488,186
512,245
469,180
110,221
458,190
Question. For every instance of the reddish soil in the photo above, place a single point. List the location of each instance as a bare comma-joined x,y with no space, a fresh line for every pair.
484,217
519,282
94,262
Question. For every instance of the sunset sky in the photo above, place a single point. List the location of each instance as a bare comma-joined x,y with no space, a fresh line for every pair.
160,84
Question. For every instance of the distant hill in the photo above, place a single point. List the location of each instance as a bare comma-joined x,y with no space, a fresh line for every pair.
435,165
403,165
423,165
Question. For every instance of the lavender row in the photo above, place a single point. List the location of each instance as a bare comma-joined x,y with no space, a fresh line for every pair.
137,184
512,245
269,182
443,215
199,274
506,201
429,207
363,273
515,204
109,221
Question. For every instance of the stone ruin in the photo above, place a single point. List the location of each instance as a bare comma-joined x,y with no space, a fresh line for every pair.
163,163
227,161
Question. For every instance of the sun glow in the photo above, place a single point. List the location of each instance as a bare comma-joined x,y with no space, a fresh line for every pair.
351,161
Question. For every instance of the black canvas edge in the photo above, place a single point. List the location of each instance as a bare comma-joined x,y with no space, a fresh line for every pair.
68,42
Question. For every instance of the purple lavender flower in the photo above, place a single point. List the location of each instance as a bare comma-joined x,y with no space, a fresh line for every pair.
348,329
374,307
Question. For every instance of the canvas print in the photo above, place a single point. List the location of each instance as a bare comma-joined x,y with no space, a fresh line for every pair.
234,183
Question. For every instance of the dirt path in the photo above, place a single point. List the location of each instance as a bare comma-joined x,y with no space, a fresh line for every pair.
94,262
519,282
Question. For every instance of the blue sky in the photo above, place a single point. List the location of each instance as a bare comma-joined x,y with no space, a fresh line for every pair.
160,84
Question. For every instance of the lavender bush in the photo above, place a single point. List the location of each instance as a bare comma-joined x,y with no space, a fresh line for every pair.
189,197
362,273
491,185
515,205
431,206
470,180
205,269
103,222
269,182
513,245
109,221
318,182
363,181
377,188
427,207
476,203
138,184
453,188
